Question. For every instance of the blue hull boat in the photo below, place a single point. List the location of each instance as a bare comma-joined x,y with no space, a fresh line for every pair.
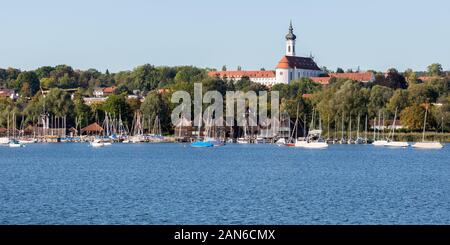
201,144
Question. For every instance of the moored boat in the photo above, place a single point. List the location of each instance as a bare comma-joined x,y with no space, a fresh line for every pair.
424,144
201,144
15,144
97,143
428,145
396,144
379,142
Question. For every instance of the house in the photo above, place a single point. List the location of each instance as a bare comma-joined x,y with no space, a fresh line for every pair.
102,92
8,93
365,77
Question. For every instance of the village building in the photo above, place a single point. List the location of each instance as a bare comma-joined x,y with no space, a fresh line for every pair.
290,67
103,92
8,93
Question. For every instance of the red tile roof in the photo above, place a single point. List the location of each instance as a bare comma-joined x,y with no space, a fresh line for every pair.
427,78
359,76
239,74
109,90
287,62
321,80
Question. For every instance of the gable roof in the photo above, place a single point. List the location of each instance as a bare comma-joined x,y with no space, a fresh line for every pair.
305,63
321,80
239,74
357,76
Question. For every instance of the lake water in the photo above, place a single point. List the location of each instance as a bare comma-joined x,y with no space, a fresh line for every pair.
234,184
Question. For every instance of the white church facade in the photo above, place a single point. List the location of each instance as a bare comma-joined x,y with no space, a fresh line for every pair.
290,67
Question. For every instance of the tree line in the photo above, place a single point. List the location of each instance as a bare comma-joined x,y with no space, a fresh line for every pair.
342,98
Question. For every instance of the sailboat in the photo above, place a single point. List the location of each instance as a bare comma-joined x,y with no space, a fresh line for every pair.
392,143
97,143
423,144
378,142
313,139
198,143
13,143
359,140
243,140
137,129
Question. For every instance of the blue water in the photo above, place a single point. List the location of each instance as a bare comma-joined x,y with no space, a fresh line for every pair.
234,184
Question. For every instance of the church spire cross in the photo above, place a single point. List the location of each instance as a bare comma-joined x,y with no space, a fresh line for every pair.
291,35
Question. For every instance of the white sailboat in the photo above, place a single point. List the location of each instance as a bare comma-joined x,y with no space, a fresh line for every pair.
97,143
379,142
423,144
392,142
13,143
314,139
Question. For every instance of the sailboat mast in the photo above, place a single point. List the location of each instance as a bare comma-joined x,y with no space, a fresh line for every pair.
374,130
365,134
357,130
424,124
393,124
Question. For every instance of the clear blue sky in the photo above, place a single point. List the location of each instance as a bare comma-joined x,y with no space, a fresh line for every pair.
118,35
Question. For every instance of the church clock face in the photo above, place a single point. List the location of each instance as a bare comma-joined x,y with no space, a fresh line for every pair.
281,73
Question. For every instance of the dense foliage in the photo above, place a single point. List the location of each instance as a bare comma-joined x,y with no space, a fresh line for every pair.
342,99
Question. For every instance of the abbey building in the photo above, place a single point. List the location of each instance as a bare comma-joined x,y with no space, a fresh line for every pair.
290,67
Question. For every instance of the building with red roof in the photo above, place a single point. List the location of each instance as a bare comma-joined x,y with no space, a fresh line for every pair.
290,67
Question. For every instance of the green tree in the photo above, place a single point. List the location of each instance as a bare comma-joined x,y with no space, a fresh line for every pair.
435,70
379,97
31,82
59,103
422,93
398,100
412,117
154,105
118,105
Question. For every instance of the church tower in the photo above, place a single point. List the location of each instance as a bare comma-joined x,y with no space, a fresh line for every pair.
290,41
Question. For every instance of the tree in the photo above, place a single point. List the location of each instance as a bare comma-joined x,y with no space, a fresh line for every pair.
379,97
435,70
144,78
393,80
59,103
44,71
412,117
83,112
190,74
339,70
410,76
156,105
422,93
117,105
398,100
31,82
224,68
